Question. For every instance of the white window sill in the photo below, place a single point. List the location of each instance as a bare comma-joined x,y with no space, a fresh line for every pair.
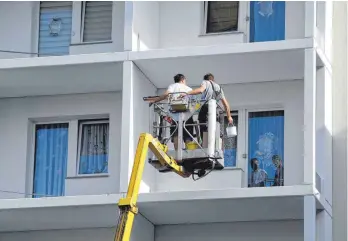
232,169
220,33
89,43
89,175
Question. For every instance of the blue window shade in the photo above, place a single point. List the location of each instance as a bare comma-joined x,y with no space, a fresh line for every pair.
94,147
230,146
267,21
266,140
55,28
50,160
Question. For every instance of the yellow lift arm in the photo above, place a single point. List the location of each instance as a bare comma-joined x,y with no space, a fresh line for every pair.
127,205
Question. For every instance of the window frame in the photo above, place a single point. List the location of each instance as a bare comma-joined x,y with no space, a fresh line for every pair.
246,133
82,25
241,25
237,113
36,27
82,122
78,26
73,143
30,169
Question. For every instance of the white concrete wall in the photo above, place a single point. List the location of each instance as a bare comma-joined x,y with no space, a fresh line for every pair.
287,95
155,25
294,20
16,25
339,109
17,132
19,30
143,230
142,87
181,25
68,235
324,132
239,231
323,33
229,178
145,25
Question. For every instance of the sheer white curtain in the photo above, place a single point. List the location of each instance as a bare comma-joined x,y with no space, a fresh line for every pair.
94,148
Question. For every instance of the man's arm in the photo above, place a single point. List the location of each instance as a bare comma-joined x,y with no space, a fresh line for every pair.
227,109
160,98
197,91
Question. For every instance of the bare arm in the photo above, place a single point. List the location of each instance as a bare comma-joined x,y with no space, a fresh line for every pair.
160,98
197,91
227,109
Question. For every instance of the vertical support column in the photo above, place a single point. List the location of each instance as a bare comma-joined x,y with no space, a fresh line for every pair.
324,132
309,116
128,26
127,130
328,29
310,19
309,218
339,106
323,226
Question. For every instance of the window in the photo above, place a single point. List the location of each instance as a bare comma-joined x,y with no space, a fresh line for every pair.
267,21
54,28
221,16
97,21
230,143
266,148
50,161
93,147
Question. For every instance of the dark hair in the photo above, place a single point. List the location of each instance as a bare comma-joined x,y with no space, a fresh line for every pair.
208,76
252,162
276,158
178,78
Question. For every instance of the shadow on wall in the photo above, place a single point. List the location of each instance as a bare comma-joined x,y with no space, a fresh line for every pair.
142,87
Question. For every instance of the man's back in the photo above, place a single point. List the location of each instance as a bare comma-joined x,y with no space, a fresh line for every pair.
210,87
178,87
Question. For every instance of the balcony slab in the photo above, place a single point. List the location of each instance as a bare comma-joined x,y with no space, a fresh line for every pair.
209,206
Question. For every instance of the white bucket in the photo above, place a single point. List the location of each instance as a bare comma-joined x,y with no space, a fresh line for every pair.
231,131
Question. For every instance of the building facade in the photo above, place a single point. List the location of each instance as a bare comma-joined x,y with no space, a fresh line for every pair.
72,79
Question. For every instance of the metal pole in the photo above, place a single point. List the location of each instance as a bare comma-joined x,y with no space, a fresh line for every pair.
180,136
211,127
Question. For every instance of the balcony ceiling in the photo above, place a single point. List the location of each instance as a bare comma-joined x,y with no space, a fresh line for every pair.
237,63
60,75
159,208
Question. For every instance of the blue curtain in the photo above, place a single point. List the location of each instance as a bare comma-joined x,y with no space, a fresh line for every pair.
94,149
230,157
266,140
267,21
60,20
50,160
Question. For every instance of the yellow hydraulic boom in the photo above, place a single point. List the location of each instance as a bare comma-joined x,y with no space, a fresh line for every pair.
127,205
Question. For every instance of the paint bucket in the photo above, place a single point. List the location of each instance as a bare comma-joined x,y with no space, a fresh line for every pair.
231,131
191,145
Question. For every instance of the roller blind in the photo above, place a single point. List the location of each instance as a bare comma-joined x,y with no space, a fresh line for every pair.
222,16
97,21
